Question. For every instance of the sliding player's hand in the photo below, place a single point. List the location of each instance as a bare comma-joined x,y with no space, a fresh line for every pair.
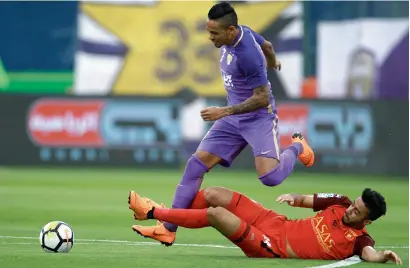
391,256
289,198
212,113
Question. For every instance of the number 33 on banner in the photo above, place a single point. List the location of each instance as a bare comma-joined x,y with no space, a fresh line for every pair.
188,57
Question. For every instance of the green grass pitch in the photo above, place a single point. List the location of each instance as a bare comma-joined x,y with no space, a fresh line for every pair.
94,203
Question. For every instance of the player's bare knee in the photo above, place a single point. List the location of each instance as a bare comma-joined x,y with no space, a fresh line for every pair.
207,158
215,214
265,165
218,196
270,179
211,195
270,183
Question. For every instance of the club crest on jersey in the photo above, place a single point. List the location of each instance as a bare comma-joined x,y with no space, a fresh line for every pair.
350,235
229,59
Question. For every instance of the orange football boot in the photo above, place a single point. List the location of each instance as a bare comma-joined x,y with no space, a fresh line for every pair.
141,206
158,232
152,202
307,157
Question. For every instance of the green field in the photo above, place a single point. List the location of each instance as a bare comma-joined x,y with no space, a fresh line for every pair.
94,203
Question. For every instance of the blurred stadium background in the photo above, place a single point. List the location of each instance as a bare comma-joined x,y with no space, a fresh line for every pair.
119,85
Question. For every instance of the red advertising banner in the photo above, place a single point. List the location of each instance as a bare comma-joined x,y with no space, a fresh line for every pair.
65,122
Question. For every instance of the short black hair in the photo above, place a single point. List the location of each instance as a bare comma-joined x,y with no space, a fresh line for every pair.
224,13
375,203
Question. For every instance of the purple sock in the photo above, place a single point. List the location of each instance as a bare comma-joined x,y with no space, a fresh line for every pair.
287,161
188,187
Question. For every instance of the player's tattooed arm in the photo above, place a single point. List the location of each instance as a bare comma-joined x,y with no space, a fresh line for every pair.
371,255
259,99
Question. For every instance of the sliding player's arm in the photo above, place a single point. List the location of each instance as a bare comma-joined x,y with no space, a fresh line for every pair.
369,254
296,200
318,201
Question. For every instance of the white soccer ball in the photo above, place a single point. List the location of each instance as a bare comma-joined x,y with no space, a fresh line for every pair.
57,237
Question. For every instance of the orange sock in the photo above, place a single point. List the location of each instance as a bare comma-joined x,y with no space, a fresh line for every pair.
199,201
188,218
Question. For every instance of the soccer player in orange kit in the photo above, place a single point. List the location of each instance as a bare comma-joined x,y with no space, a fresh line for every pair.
336,232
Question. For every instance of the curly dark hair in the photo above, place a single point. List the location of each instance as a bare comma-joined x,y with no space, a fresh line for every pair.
375,203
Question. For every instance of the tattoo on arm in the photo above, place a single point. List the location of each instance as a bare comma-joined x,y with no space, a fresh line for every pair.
259,99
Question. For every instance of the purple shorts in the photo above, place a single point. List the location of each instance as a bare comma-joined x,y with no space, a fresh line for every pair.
230,135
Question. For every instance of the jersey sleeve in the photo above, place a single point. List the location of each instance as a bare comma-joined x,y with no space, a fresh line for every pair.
322,201
251,64
258,38
362,242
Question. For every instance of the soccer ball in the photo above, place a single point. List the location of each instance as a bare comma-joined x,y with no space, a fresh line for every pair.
57,236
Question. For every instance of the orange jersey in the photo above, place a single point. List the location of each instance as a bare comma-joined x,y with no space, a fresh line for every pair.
324,236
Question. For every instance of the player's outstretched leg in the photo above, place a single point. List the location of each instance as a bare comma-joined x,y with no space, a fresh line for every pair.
245,236
239,204
299,149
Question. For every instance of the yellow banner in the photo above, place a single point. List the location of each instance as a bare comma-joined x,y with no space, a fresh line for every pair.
168,44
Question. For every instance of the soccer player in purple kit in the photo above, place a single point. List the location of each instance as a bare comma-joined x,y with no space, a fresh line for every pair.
250,117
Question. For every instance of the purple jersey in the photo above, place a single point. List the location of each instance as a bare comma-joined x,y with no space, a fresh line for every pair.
243,68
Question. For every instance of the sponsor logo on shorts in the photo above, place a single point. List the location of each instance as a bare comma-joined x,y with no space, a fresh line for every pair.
65,122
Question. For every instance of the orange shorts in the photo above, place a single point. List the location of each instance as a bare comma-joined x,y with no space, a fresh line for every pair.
263,230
